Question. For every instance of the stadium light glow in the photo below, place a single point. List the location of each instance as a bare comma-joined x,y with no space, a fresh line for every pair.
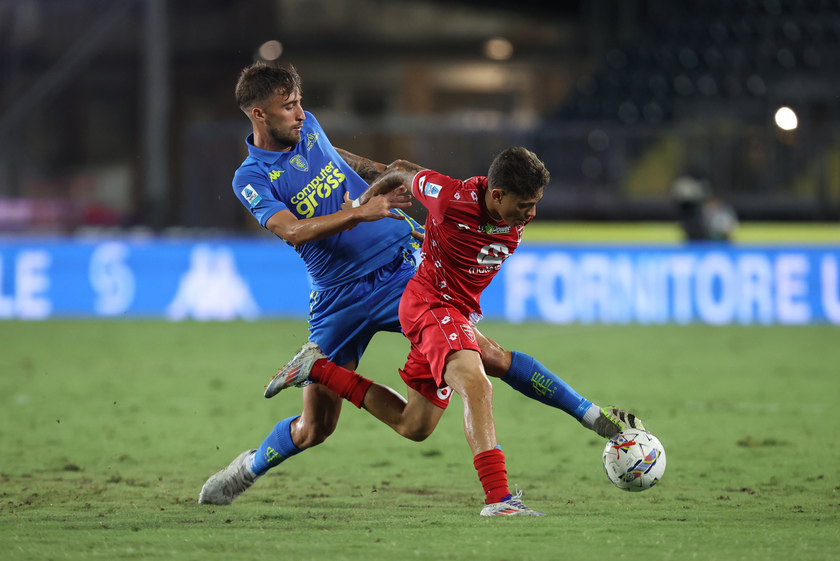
498,48
786,119
270,50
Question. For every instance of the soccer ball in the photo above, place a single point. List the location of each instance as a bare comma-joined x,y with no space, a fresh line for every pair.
634,460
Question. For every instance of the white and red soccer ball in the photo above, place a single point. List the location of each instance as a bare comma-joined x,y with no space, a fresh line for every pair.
634,460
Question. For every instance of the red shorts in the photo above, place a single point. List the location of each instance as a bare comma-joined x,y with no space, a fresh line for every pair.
435,330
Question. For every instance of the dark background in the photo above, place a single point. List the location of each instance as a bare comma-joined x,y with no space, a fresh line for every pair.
120,113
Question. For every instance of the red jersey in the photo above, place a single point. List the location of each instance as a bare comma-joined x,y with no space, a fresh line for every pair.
464,247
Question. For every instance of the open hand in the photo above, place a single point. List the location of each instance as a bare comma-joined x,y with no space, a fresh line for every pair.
380,206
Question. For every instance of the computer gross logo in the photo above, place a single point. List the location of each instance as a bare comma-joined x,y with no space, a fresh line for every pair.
327,180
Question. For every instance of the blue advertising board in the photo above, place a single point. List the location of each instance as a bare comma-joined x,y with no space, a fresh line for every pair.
225,279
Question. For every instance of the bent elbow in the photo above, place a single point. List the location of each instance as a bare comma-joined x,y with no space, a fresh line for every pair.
286,235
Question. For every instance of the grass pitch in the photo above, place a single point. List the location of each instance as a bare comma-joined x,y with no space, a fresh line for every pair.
109,429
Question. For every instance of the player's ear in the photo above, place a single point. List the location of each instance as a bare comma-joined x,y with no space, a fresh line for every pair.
497,194
257,114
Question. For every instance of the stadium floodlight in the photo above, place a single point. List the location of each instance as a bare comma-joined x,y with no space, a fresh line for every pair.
498,48
270,50
786,119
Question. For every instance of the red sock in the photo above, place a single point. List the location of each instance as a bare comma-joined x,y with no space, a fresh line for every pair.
493,474
345,383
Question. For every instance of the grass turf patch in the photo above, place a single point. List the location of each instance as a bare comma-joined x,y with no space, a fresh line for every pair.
109,429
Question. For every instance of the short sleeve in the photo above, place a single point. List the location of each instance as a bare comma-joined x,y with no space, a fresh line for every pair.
252,191
434,190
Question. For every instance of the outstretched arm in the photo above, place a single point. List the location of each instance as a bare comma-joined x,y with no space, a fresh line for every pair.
300,231
367,169
401,172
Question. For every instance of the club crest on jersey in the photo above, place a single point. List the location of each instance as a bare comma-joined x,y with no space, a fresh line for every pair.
250,195
299,163
311,139
468,332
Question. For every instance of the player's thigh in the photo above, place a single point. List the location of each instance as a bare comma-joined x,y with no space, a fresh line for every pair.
464,373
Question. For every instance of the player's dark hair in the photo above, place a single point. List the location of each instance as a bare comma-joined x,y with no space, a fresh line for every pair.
259,82
519,172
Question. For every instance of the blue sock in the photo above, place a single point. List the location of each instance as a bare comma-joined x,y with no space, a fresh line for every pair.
276,447
532,379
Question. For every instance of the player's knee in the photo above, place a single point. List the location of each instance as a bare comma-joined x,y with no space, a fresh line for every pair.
475,386
496,359
496,362
417,432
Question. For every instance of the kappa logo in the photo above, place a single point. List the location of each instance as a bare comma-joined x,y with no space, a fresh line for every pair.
299,163
251,196
275,174
311,139
212,288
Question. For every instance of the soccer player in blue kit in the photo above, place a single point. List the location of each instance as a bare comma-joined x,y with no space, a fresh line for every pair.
359,259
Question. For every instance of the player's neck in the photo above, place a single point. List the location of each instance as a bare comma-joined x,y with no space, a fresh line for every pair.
265,141
489,205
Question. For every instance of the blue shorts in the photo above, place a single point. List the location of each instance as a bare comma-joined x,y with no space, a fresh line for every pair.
343,320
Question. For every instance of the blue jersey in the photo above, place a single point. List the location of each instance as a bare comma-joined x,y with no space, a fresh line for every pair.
310,180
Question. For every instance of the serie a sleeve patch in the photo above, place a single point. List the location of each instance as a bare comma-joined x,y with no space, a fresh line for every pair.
251,195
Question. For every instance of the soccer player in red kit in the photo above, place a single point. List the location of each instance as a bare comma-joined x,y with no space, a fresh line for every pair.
472,227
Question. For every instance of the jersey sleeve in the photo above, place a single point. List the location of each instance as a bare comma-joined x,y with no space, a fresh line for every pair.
434,190
254,192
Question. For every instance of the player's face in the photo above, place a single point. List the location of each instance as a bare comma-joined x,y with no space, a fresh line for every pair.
514,210
283,120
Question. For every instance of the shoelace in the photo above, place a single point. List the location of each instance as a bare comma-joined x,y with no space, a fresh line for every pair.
514,500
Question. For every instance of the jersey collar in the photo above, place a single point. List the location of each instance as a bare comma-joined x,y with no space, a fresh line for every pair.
267,156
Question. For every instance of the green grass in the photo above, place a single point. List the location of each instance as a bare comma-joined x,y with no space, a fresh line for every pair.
109,429
670,232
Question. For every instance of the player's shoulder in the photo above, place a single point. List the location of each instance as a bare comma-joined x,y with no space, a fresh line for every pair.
431,184
310,121
249,174
477,182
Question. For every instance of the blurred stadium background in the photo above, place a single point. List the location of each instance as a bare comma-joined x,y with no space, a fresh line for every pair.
117,116
120,112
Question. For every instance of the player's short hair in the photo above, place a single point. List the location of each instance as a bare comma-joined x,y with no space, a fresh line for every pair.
259,82
519,172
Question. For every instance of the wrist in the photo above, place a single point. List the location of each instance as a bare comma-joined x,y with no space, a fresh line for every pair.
356,203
